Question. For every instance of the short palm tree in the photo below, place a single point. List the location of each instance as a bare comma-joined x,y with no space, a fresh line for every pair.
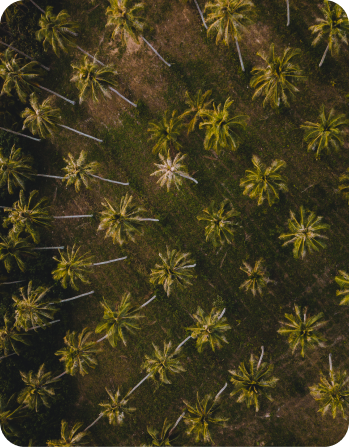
344,185
12,251
116,323
203,417
31,308
303,332
79,172
69,438
343,281
196,105
209,329
327,134
41,119
9,336
220,227
163,438
222,129
252,381
166,133
171,172
305,234
15,169
79,353
38,389
72,267
264,182
276,82
228,19
27,216
257,277
115,408
333,28
332,394
162,363
175,270
8,415
124,17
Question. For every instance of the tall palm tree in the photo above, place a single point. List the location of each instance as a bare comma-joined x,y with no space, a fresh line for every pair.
79,172
32,309
163,438
220,228
69,438
343,281
166,133
257,277
72,267
15,169
162,363
305,233
8,415
276,82
198,8
303,332
209,329
79,353
228,20
12,251
38,390
263,182
344,185
327,134
116,408
27,217
253,381
196,105
172,171
175,270
203,417
222,129
333,28
9,336
332,394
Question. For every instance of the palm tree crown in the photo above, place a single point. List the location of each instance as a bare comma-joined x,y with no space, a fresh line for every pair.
41,119
79,172
166,133
15,169
9,336
124,17
163,438
69,438
12,251
344,185
197,104
343,281
116,408
9,415
257,277
171,171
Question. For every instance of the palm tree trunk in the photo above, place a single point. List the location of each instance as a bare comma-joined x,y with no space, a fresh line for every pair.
57,377
288,12
50,176
163,60
48,248
40,9
13,282
56,94
146,303
187,176
80,133
37,327
23,54
101,339
68,217
201,14
94,422
107,180
75,297
238,48
221,391
113,260
138,384
323,57
20,134
143,219
177,422
221,315
123,97
187,266
5,356
331,373
261,357
182,343
90,55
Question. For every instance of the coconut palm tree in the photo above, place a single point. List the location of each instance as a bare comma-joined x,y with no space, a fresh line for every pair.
343,281
69,438
175,270
163,438
32,309
172,171
303,332
8,416
9,336
332,394
220,228
115,409
222,129
276,81
12,251
38,390
333,28
257,277
166,132
263,182
344,186
327,134
305,234
72,267
209,329
228,19
198,8
79,353
162,363
203,417
15,169
252,381
196,105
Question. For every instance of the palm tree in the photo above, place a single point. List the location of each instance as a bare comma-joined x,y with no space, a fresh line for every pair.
305,234
115,408
79,353
222,129
220,229
72,267
277,80
264,182
198,8
38,389
15,169
257,277
172,171
163,438
203,417
13,249
162,363
174,271
333,28
197,104
253,381
332,394
23,54
31,308
209,329
166,133
9,337
343,281
69,438
326,134
8,415
303,332
344,186
228,20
